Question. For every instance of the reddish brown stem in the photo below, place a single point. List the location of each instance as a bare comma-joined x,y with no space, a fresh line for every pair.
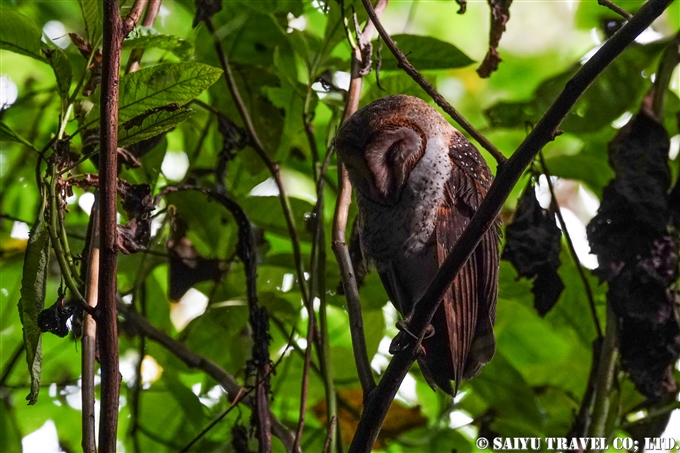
107,329
149,20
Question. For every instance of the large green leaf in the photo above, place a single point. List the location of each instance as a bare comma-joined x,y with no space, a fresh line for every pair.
19,34
178,46
157,86
151,125
93,18
425,52
32,301
63,73
618,89
8,135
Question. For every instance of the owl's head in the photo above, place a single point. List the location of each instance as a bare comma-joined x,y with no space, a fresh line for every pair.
382,143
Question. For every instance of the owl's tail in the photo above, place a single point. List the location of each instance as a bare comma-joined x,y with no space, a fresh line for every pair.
463,340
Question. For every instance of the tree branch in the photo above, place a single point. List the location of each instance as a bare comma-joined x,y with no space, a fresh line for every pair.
107,335
404,64
258,317
260,150
572,250
616,8
149,20
193,360
508,175
133,16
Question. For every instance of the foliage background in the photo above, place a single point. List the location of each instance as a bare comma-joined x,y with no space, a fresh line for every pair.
278,49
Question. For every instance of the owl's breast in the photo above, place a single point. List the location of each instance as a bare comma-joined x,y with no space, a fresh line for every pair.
395,233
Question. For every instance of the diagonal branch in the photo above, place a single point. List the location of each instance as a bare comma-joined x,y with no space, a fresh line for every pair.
431,90
380,399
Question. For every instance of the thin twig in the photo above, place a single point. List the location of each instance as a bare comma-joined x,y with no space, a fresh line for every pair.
262,154
616,8
572,250
193,360
107,328
331,429
9,366
404,64
135,398
149,20
89,338
606,377
133,16
380,399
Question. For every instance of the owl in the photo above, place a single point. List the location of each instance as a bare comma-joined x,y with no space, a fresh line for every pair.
418,182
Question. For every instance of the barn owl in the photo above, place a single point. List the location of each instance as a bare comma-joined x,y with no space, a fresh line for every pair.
418,182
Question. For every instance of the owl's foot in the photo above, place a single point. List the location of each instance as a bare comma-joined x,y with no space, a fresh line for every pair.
405,336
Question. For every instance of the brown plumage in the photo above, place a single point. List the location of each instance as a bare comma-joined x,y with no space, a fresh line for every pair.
418,183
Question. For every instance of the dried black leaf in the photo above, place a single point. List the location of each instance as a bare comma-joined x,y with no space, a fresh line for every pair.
634,208
462,6
500,15
138,204
239,439
638,252
55,319
533,247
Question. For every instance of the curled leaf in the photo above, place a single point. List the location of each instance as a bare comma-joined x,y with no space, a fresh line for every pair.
138,203
32,301
500,14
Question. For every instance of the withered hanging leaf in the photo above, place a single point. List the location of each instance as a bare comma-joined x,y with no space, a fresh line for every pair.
533,247
239,438
85,49
500,15
648,353
634,208
638,255
138,203
187,266
55,318
399,419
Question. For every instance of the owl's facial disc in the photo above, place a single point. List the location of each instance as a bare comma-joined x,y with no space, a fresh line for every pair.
390,158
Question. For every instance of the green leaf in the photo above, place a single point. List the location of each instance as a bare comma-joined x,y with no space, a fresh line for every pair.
178,46
160,85
8,135
424,52
32,301
93,18
618,89
63,73
20,34
152,125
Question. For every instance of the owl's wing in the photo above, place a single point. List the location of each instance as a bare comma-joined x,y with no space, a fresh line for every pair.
468,309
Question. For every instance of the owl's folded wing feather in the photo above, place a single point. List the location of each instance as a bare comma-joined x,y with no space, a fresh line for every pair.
468,309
